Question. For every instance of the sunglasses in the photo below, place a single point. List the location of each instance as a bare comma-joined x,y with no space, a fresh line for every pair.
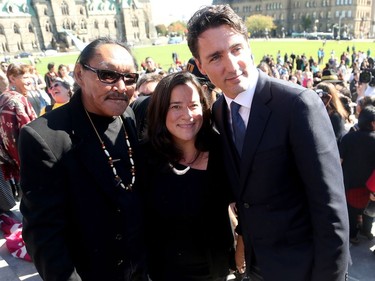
321,93
110,76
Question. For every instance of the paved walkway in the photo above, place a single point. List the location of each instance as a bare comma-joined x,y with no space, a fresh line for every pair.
13,269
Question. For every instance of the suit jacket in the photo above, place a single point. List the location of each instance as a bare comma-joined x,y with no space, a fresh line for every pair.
77,223
288,184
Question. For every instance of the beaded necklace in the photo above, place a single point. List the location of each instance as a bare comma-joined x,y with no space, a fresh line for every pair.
110,160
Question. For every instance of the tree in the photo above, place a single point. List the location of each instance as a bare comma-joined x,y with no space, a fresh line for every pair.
177,27
257,25
161,29
306,23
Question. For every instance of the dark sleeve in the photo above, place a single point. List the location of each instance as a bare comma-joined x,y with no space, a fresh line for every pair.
43,203
318,162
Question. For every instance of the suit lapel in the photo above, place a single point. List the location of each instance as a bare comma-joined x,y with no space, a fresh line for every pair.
259,116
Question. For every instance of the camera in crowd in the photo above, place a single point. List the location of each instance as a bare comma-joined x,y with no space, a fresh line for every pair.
367,76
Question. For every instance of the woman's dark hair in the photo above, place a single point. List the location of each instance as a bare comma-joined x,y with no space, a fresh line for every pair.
211,17
158,134
90,50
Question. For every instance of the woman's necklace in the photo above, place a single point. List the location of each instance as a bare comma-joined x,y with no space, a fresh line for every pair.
179,172
110,160
184,171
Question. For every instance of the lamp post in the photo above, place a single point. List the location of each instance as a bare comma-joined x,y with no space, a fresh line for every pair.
316,25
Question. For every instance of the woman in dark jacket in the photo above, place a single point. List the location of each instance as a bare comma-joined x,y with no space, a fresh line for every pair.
185,189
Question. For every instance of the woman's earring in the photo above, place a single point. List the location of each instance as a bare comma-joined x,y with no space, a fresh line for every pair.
13,88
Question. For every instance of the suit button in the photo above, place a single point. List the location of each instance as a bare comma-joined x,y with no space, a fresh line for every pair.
119,262
118,237
246,205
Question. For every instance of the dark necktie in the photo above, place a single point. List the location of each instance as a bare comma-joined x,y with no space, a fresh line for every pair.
238,126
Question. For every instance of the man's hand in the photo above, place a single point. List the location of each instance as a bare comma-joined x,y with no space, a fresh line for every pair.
240,255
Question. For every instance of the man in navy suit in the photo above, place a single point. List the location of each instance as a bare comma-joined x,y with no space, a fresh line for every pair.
286,176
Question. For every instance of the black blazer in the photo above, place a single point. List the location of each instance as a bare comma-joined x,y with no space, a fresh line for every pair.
288,184
77,223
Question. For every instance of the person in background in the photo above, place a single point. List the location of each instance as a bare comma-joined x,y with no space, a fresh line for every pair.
353,85
212,92
280,155
7,200
34,94
362,103
39,83
151,66
4,66
78,170
357,151
61,92
63,73
49,77
39,86
186,192
145,87
15,112
4,83
336,111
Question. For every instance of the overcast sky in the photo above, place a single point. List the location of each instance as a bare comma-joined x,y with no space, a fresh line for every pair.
167,11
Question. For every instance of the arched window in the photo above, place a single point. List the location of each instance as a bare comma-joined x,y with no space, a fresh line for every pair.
2,31
106,24
135,22
81,11
67,24
16,29
83,24
96,24
31,28
45,12
48,26
64,8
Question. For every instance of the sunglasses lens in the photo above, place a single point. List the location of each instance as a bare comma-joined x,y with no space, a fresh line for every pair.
107,76
111,77
131,78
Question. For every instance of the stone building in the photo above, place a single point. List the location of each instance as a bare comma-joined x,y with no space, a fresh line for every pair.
343,18
34,25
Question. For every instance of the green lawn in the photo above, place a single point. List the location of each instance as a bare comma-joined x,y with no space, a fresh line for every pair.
163,54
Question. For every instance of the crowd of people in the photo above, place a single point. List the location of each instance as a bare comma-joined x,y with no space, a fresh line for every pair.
24,95
155,158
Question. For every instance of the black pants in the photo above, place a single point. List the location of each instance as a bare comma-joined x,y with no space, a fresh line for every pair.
353,222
